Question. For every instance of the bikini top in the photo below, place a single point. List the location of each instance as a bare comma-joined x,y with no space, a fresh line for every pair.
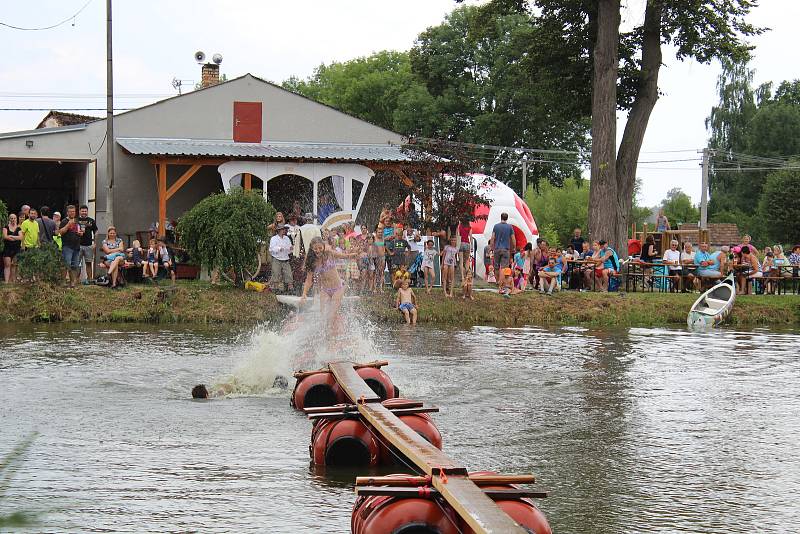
325,267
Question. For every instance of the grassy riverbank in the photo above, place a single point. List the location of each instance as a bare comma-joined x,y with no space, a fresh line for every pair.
587,309
187,302
201,303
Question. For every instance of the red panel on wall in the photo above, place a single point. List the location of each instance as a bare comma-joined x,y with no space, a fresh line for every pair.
247,122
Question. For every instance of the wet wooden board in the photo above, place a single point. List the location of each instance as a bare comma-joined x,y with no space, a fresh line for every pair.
475,507
352,384
467,499
494,494
410,444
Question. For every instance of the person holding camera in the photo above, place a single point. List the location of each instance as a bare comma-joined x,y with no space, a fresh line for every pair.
71,233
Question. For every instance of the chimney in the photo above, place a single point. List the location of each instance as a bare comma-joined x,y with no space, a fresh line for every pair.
210,75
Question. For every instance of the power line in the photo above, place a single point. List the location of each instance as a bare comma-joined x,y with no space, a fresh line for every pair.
48,27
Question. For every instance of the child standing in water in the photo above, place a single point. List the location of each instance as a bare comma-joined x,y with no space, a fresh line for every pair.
449,255
428,257
407,302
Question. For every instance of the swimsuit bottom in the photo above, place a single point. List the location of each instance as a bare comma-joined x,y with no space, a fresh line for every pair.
331,291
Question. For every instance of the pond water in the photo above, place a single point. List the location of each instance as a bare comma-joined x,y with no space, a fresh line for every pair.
639,430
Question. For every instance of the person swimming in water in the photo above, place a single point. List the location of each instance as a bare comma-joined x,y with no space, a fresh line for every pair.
200,392
320,269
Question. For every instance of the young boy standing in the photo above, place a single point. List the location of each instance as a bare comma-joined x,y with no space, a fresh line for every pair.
407,302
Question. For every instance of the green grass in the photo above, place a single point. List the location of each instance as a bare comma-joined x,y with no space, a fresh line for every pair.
585,309
198,302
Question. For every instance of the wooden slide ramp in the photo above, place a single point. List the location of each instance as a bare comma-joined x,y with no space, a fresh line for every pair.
448,477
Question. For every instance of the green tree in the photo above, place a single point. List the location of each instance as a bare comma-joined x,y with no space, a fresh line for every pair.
749,129
779,207
474,78
622,70
678,208
559,209
486,85
226,231
371,88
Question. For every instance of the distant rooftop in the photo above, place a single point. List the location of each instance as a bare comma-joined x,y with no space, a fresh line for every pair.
55,119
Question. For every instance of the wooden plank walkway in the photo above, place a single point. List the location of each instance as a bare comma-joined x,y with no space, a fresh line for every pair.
448,477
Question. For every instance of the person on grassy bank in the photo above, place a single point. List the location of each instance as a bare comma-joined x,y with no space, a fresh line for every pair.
12,242
449,255
406,302
502,242
71,233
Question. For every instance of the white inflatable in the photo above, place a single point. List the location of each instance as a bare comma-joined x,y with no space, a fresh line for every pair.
502,199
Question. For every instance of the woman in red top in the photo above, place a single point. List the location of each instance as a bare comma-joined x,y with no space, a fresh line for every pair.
465,246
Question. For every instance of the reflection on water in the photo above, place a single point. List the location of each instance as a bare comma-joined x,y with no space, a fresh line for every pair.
644,430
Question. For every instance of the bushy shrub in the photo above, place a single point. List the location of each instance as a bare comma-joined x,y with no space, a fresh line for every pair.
41,264
225,231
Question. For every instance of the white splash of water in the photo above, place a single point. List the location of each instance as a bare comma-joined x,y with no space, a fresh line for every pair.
301,342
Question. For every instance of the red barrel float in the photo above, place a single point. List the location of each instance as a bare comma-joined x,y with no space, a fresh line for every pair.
378,381
343,442
523,511
318,389
421,423
378,514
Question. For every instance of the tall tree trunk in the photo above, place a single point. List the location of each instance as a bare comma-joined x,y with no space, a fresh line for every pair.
639,116
603,194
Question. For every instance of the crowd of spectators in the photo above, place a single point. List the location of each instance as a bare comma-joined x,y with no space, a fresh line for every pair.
74,235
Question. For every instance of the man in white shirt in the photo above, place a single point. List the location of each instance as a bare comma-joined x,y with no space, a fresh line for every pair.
279,248
672,258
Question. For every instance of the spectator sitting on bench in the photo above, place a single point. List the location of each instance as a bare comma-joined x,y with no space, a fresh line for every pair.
165,259
114,250
708,265
136,255
150,268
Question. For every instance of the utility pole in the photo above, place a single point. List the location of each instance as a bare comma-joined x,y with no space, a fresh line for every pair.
524,175
109,119
704,192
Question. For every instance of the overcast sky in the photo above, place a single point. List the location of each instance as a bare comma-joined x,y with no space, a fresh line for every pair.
154,41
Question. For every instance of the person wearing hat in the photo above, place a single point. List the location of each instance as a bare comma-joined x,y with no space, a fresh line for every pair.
279,248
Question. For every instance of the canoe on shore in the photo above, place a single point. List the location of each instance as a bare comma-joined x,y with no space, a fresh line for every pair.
713,306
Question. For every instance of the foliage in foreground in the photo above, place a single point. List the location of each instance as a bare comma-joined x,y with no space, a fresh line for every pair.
8,467
40,264
225,231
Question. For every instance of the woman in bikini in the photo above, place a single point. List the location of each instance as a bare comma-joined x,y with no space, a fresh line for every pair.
321,269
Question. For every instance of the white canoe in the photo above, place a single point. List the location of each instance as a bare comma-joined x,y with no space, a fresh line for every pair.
312,304
713,306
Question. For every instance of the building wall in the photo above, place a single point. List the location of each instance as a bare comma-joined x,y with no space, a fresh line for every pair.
204,114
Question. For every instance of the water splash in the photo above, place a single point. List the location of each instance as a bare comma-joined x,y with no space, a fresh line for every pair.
300,342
